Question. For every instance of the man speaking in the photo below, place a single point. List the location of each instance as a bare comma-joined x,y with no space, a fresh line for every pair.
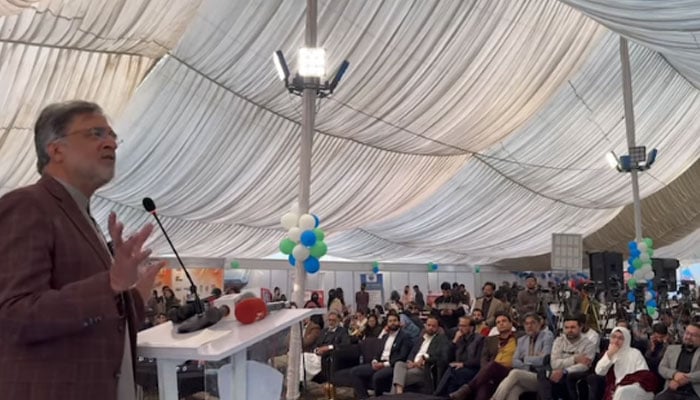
69,310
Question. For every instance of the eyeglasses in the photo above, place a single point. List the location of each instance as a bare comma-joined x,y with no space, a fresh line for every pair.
99,133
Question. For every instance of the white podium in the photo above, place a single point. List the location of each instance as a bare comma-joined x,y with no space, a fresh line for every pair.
227,338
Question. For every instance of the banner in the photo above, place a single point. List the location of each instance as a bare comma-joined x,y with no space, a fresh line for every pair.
375,288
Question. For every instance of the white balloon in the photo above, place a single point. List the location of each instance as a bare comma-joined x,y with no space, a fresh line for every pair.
647,266
294,234
647,296
306,222
641,280
642,247
289,220
300,253
644,257
649,275
638,274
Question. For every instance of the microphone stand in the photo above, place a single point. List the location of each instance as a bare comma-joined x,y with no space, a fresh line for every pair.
198,306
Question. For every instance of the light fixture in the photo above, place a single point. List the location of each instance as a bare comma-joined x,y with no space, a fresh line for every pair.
281,65
311,72
312,62
637,160
650,159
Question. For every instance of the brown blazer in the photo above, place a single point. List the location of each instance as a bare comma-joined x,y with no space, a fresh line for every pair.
496,307
61,326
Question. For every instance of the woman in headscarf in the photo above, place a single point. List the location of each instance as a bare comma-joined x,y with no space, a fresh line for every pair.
626,373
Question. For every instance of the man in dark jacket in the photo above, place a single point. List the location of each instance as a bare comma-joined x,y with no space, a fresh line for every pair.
331,337
395,347
466,346
448,308
418,297
431,349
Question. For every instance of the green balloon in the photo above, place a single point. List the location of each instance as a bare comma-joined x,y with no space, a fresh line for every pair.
632,283
637,263
235,264
319,249
286,246
375,264
650,251
477,269
320,234
649,243
651,310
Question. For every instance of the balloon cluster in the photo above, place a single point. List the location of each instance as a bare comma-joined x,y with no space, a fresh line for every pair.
304,242
375,267
639,267
432,267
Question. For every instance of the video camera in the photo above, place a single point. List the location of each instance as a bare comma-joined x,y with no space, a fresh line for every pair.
616,287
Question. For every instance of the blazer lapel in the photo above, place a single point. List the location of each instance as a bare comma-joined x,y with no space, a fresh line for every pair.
71,211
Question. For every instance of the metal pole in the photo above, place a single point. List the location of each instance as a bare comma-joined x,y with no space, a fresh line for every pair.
629,125
307,129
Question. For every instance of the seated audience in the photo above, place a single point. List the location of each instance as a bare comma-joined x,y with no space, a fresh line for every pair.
572,356
431,349
496,362
530,353
681,369
467,346
378,372
627,375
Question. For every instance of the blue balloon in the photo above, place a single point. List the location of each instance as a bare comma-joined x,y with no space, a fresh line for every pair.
630,296
650,285
630,261
375,270
318,221
632,245
635,253
308,238
631,270
652,293
292,260
312,265
651,303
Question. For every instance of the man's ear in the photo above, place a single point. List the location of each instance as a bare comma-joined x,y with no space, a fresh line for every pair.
55,151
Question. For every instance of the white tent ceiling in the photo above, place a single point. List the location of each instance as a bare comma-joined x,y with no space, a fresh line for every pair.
464,132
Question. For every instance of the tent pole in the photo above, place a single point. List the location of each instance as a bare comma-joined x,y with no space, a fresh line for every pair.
629,125
306,142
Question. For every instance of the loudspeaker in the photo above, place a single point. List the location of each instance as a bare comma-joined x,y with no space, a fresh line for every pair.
665,268
606,265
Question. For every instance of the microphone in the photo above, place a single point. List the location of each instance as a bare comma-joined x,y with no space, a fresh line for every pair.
205,320
150,206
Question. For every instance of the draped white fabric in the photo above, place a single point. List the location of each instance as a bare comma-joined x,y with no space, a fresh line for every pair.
464,132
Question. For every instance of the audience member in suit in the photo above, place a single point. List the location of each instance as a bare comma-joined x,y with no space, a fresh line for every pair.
658,342
489,305
431,349
69,310
571,359
532,348
332,337
448,308
496,362
466,346
680,368
378,373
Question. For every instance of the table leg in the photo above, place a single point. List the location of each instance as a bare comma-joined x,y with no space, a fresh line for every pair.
239,363
167,379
